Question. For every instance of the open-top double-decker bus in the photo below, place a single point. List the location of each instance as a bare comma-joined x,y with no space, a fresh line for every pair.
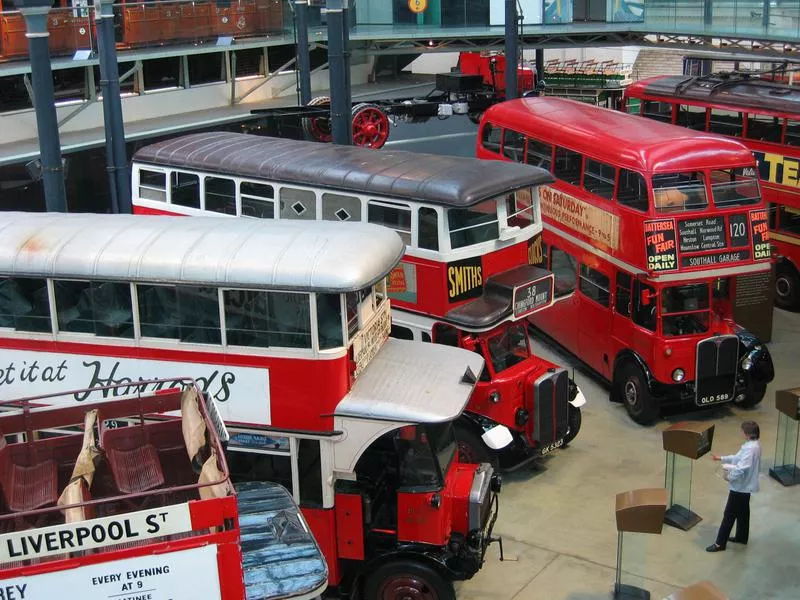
648,229
765,116
471,229
112,498
286,326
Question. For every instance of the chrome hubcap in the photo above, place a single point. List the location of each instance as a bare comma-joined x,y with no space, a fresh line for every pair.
783,287
630,393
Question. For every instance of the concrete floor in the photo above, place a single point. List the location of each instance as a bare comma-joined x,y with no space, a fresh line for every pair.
557,519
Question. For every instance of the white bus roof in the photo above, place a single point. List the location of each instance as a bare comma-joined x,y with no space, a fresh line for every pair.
287,255
456,182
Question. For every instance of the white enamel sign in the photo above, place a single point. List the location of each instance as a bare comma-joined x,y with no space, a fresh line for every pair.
184,575
242,393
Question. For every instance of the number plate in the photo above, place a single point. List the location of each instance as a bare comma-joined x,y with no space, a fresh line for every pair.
548,449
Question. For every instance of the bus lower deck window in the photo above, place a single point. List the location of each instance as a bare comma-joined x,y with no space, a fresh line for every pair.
595,285
24,304
792,137
788,219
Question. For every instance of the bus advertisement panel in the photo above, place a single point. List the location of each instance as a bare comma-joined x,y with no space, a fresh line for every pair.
646,227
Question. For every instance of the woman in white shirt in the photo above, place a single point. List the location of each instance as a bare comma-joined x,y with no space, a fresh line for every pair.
742,475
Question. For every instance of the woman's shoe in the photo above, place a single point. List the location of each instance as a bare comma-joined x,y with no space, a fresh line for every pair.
715,548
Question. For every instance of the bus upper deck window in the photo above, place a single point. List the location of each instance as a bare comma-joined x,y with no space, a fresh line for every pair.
675,192
764,128
513,145
98,307
258,200
24,304
298,204
792,137
632,190
539,154
734,187
567,167
725,122
338,207
392,215
428,236
152,185
519,208
185,189
491,136
220,193
658,111
329,321
599,178
473,225
692,117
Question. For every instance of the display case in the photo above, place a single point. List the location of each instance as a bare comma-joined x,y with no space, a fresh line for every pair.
637,512
683,443
785,467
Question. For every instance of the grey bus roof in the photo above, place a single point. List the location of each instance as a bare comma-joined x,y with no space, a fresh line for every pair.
413,382
221,251
441,180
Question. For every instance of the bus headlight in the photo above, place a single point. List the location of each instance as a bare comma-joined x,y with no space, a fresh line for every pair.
678,375
494,397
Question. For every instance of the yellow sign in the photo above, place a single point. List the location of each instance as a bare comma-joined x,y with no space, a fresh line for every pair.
417,6
592,221
774,168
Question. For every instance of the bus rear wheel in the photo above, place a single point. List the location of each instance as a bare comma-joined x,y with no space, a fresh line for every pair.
407,580
631,389
787,288
471,449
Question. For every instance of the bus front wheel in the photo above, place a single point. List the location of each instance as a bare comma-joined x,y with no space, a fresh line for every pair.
632,391
787,288
574,423
753,394
471,449
407,579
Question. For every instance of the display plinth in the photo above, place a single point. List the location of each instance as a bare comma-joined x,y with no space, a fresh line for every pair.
637,511
705,590
684,443
785,469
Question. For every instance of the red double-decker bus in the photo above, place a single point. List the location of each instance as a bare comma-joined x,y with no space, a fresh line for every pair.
471,229
646,228
765,116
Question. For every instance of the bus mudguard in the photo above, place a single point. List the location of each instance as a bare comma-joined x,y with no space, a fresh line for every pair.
628,355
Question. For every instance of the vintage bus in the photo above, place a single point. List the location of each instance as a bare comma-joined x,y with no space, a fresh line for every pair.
109,498
646,227
765,117
286,326
471,230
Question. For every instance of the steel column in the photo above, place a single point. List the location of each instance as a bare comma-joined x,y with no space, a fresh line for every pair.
303,58
511,49
55,195
341,121
539,67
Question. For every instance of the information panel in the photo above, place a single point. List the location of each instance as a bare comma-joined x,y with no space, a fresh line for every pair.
659,240
184,575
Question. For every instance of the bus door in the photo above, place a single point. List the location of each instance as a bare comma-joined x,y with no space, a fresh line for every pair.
634,316
560,320
594,319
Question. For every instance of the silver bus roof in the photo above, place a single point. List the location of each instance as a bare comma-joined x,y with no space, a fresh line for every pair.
286,255
413,382
456,182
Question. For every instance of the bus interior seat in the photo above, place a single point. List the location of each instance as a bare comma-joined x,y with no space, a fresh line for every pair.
670,199
133,460
28,480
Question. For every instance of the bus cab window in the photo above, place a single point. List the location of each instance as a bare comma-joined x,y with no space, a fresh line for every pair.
658,111
445,334
329,321
428,229
392,215
98,307
567,167
152,185
792,137
632,190
513,145
622,303
788,220
298,204
359,307
519,208
684,309
309,472
490,137
725,122
426,337
599,178
595,285
24,304
692,117
539,154
185,189
508,348
473,225
675,192
731,187
337,207
563,266
764,128
274,466
220,193
644,305
257,200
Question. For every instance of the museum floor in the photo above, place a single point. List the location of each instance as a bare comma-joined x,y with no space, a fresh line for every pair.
558,524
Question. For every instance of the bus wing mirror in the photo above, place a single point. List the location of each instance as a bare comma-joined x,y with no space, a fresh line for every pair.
508,233
647,297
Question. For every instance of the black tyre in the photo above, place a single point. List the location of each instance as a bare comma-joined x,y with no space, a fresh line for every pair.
573,423
787,288
407,580
471,449
754,394
631,390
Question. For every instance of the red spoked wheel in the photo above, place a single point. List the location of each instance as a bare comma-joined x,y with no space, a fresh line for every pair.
319,127
370,126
